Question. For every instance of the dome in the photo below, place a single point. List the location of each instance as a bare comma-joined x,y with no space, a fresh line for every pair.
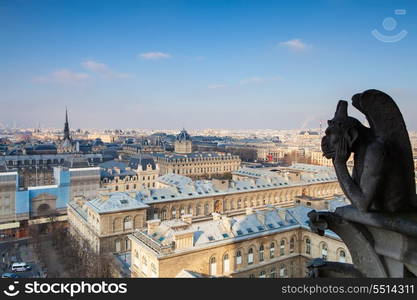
183,136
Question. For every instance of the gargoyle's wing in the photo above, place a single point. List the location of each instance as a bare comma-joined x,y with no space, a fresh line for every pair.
383,115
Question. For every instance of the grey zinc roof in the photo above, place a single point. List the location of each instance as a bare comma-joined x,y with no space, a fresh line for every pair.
116,202
260,222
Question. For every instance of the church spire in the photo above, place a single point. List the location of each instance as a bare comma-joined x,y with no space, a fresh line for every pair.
66,127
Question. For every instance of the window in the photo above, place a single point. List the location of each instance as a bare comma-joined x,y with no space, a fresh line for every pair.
163,214
173,213
250,256
144,264
273,273
272,250
282,271
153,270
342,256
262,274
261,253
239,232
182,211
282,248
226,265
127,244
249,230
127,223
238,257
292,245
206,209
117,245
251,276
308,246
213,266
324,251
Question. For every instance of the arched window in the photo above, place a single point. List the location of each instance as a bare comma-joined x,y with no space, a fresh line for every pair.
238,257
190,210
164,214
206,209
324,251
308,246
127,223
342,256
282,271
282,248
144,264
182,211
239,203
261,253
250,256
173,213
272,250
127,244
226,265
213,266
117,246
292,245
198,209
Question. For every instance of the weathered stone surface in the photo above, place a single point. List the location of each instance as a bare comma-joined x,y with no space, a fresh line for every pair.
380,227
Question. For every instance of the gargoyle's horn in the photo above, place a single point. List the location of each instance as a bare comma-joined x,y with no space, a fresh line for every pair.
341,110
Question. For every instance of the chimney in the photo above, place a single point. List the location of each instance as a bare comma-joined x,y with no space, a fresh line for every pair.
188,218
249,211
184,239
153,226
227,223
282,213
216,216
260,215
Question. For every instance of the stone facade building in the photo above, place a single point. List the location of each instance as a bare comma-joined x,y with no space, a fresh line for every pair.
270,242
136,175
183,143
106,222
197,164
180,196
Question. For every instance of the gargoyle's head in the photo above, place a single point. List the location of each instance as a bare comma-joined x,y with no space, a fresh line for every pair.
341,129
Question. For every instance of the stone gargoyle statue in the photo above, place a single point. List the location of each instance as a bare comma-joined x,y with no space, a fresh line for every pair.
380,227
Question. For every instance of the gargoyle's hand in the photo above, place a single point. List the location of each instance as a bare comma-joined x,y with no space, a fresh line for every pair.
342,152
328,152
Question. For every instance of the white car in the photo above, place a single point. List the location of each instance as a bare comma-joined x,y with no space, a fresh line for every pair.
20,267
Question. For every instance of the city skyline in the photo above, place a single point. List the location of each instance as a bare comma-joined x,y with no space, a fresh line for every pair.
193,64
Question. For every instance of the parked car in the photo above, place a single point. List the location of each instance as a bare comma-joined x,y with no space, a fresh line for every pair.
9,275
21,267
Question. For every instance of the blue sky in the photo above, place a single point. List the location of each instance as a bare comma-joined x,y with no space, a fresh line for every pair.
200,64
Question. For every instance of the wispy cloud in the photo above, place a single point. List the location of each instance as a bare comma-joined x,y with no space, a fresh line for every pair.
217,86
101,69
155,55
257,80
63,76
296,45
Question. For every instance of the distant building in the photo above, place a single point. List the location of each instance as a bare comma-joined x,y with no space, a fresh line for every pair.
67,145
23,204
37,170
139,173
183,143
